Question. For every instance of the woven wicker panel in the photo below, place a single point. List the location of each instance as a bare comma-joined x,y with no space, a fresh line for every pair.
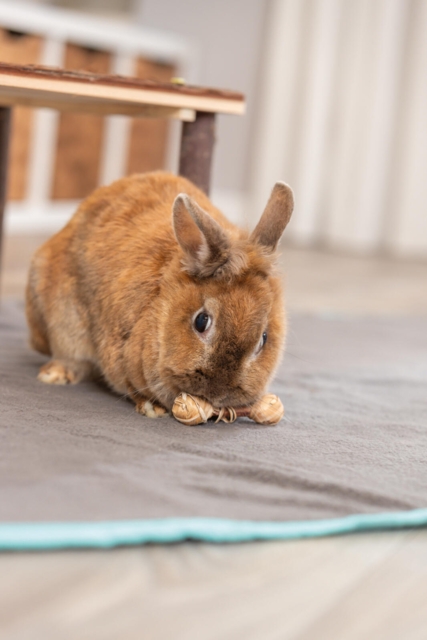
19,48
148,139
80,135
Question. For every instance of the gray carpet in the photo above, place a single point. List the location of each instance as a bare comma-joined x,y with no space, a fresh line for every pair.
354,439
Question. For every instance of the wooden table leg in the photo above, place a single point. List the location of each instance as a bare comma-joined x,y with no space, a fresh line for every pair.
197,143
5,117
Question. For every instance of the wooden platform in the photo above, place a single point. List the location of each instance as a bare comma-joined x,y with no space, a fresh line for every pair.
68,90
38,86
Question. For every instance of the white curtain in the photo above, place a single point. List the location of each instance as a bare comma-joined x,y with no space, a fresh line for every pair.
342,117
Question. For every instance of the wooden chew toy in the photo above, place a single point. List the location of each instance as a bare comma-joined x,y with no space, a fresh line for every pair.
192,410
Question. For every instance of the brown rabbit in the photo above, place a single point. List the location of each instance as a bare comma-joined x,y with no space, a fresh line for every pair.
150,286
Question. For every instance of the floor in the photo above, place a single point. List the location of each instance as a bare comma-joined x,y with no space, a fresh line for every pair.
361,586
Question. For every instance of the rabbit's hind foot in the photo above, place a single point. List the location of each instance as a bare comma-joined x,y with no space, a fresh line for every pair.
64,371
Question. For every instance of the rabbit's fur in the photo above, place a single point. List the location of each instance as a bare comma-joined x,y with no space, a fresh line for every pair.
117,290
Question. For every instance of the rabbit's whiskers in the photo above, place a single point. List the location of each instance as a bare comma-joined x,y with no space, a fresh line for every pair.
130,394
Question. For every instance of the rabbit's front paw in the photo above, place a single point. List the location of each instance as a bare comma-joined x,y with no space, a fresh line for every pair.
150,409
63,372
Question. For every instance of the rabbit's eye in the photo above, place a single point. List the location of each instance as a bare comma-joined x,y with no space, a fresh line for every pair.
202,322
262,342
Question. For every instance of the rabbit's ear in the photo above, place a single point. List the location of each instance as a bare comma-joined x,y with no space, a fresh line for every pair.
276,216
205,243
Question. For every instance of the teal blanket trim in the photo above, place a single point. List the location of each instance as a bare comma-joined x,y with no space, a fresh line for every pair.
65,535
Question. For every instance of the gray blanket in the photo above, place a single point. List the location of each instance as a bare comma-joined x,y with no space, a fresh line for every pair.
354,439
